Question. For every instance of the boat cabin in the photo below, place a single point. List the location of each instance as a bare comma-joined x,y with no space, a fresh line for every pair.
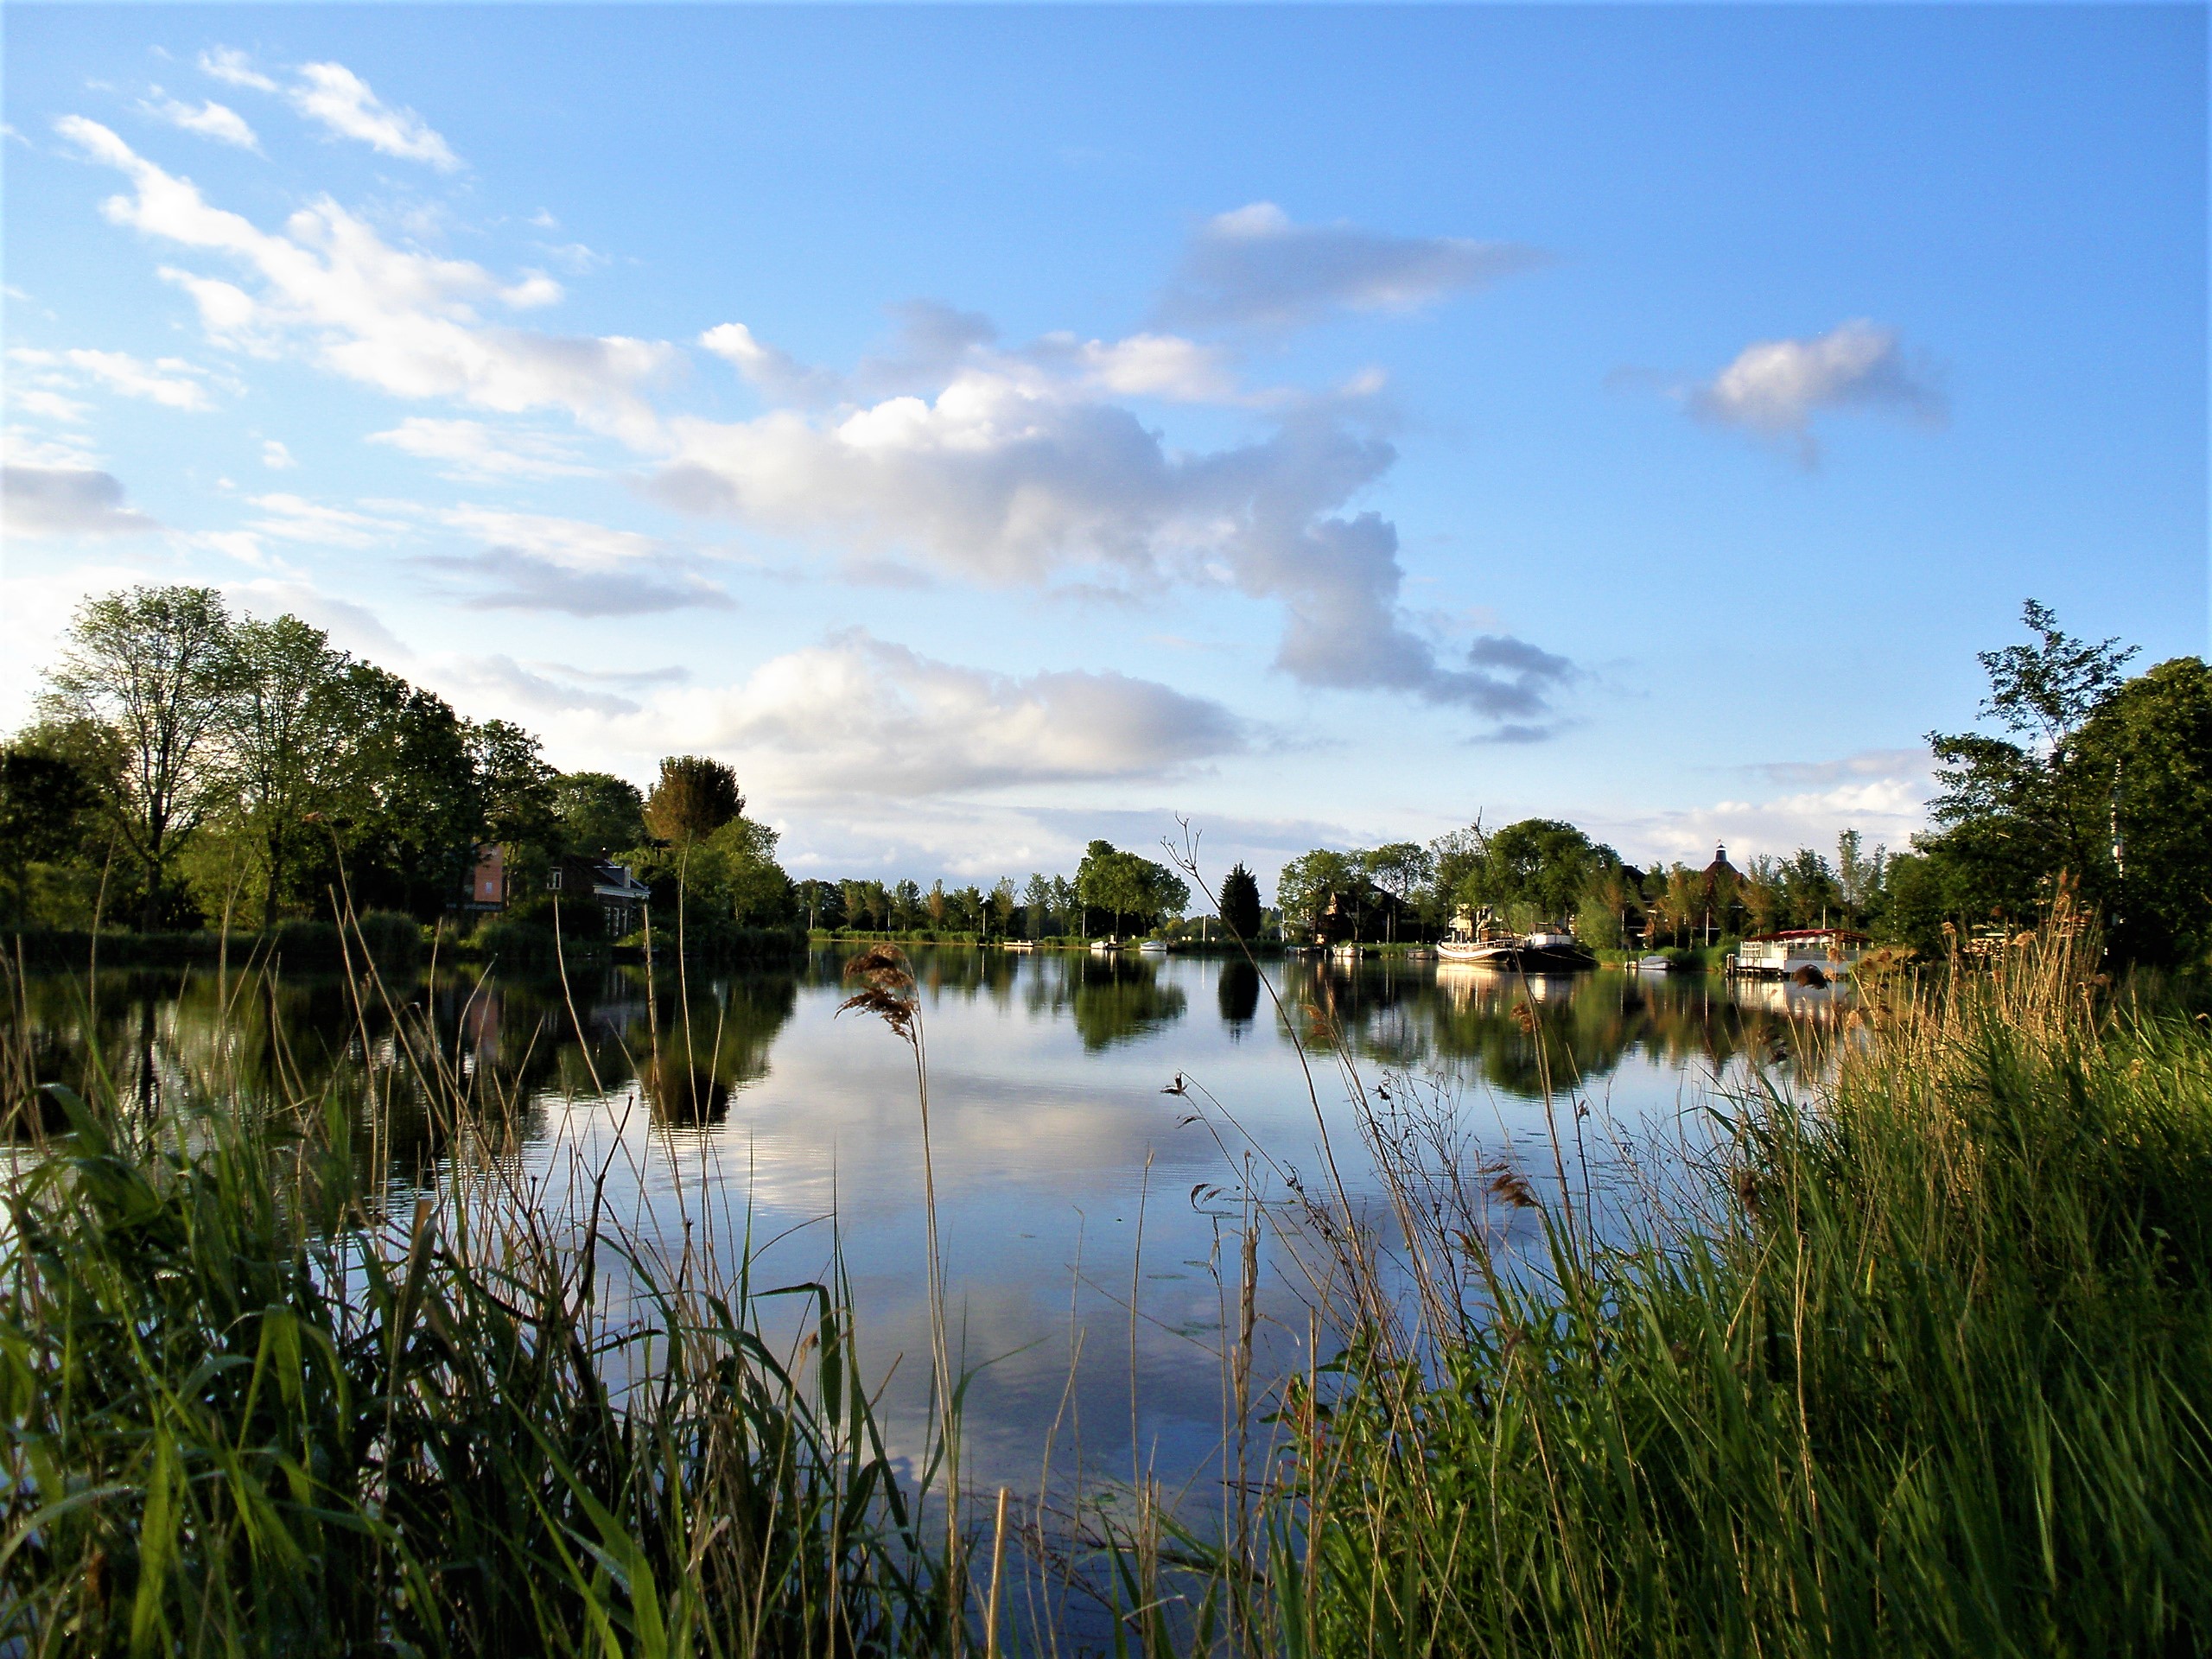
1827,951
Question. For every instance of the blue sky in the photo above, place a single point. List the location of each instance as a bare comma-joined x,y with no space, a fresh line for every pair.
991,427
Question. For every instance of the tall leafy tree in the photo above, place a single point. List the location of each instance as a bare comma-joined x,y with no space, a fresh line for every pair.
2147,749
1304,886
1401,869
599,814
286,726
152,666
695,796
2015,808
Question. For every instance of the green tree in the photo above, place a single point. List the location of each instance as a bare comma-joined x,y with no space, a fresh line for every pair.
599,814
695,796
1240,904
287,726
2015,810
152,666
1304,886
1533,871
1401,869
2147,749
1037,906
43,797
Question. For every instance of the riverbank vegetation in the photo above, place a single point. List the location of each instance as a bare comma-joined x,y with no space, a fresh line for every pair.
1920,1362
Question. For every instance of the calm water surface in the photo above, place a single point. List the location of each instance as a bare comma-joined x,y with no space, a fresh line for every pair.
1073,1190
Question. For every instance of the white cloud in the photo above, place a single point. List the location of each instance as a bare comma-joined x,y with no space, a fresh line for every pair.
404,322
527,692
208,120
232,67
1254,266
49,405
294,518
1010,477
469,449
168,381
533,561
350,627
863,714
276,456
1773,387
1881,793
44,501
334,95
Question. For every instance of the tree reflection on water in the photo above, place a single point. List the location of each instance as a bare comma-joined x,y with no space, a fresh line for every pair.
1452,1018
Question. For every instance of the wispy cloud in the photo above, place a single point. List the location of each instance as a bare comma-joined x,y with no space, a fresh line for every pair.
233,68
1256,267
472,450
534,562
404,322
340,100
169,381
207,119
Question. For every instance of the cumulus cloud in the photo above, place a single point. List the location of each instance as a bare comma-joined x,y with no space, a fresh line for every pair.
472,450
1775,387
1256,267
169,381
856,713
532,561
208,120
276,456
1013,478
340,100
404,322
45,501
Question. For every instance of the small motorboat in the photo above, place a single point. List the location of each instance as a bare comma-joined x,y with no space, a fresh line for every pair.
1102,947
1654,963
1153,947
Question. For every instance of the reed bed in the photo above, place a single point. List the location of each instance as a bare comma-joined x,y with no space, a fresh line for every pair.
257,1401
1921,1364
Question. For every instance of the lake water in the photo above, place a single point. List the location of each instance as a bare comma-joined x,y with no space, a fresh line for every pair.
1088,1215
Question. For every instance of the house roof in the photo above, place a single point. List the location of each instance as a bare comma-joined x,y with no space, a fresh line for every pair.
1790,934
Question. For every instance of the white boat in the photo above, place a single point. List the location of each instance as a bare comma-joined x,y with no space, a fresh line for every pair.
1654,963
1153,947
1099,947
1810,956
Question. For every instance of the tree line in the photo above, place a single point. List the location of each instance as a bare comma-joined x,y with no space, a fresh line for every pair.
186,766
2093,781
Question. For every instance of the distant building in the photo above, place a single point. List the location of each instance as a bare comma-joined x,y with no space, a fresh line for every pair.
621,897
487,882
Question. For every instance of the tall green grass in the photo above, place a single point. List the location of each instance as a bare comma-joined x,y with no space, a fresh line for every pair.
1921,1365
258,1403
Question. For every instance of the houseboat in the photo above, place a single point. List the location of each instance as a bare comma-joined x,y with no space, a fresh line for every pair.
1475,942
1810,956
